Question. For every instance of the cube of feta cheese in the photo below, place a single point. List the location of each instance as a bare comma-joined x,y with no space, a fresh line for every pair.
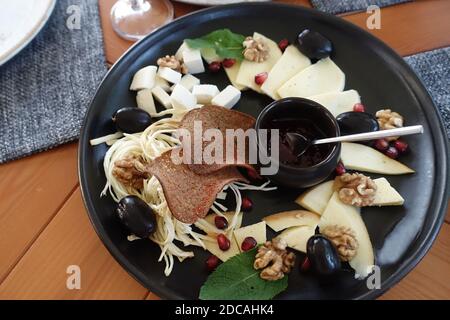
169,74
179,53
162,97
144,78
183,98
192,59
227,98
205,92
189,81
144,100
160,82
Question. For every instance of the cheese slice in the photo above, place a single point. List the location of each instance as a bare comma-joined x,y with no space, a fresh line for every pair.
144,100
297,237
249,69
291,62
257,231
144,78
363,158
386,195
232,74
294,218
338,102
341,214
213,247
322,77
316,198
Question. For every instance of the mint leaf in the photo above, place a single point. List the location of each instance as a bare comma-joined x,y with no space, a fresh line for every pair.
226,43
236,279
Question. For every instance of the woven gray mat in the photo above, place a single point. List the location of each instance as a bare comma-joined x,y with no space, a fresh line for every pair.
342,6
46,88
433,67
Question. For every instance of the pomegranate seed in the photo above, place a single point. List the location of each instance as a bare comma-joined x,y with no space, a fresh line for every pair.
391,152
247,204
212,262
283,44
260,78
214,66
253,174
381,144
305,265
359,107
340,169
401,146
228,63
221,222
223,242
248,244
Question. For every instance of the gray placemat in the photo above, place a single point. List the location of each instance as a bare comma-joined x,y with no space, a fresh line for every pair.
342,6
433,67
46,88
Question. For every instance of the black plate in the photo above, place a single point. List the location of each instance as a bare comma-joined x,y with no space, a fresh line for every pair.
401,235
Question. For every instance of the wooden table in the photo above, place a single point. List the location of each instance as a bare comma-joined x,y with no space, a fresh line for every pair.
44,227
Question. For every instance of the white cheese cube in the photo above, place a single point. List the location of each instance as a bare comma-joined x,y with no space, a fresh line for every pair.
192,59
144,79
162,97
160,82
189,81
205,92
183,98
169,74
227,98
144,100
179,53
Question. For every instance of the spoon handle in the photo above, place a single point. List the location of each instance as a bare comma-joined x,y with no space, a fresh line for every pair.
373,135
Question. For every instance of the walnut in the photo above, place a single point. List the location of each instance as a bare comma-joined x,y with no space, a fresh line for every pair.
356,189
344,239
273,258
173,63
387,119
130,171
255,50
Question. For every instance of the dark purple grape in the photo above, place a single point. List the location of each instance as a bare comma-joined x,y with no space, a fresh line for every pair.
314,45
131,120
137,216
323,256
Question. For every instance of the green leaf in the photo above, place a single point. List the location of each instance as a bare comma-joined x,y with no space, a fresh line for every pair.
226,43
236,279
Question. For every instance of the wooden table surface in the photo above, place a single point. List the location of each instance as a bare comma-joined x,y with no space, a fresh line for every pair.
44,227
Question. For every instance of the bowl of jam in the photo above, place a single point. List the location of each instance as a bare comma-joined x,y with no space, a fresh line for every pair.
285,119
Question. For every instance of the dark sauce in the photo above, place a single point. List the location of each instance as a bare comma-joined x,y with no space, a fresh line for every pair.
314,154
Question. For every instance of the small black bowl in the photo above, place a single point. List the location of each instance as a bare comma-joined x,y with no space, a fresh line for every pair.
300,108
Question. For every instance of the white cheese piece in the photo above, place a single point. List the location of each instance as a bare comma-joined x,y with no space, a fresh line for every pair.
179,53
360,157
257,231
386,195
232,74
249,69
189,81
291,62
213,247
169,75
162,97
227,98
144,100
341,214
294,218
183,98
160,82
205,92
322,77
316,198
192,59
297,237
144,78
338,102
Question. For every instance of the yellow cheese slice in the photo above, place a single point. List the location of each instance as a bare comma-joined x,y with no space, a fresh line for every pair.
213,247
316,198
297,237
257,231
286,219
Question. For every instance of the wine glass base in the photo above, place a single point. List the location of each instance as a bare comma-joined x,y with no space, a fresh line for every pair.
133,20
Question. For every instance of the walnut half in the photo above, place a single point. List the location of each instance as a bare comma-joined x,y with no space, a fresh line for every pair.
356,189
173,63
273,258
130,171
255,50
344,239
388,119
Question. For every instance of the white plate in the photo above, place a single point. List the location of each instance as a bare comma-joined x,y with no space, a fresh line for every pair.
20,22
217,2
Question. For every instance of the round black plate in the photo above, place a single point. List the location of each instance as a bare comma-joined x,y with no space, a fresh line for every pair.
401,235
